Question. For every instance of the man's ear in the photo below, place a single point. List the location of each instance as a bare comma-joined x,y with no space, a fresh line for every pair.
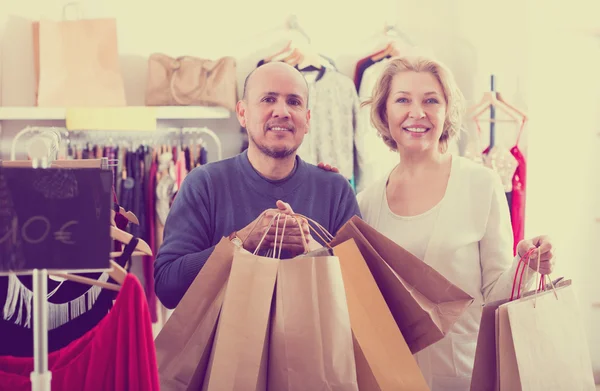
240,111
307,121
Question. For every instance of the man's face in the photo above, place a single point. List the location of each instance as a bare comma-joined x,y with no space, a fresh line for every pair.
275,111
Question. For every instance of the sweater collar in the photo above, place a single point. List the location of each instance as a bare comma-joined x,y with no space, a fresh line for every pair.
278,188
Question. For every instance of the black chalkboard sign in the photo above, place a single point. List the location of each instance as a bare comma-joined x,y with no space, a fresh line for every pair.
55,219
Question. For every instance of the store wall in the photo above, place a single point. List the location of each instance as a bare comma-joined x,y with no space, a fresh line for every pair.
543,63
564,139
459,32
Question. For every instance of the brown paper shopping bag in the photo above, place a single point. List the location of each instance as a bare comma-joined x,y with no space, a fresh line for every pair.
423,302
484,376
184,344
311,344
548,343
239,358
383,359
77,63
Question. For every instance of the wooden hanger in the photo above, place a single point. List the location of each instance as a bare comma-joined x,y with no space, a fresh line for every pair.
116,272
282,51
293,58
393,34
500,98
82,163
311,60
115,254
387,51
130,216
125,238
489,100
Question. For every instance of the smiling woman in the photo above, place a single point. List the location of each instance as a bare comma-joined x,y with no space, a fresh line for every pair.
425,91
446,210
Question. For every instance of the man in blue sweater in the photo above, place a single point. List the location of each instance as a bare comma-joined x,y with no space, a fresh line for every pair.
225,198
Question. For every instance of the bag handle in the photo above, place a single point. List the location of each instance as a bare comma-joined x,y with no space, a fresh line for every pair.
275,219
176,65
75,4
328,236
540,278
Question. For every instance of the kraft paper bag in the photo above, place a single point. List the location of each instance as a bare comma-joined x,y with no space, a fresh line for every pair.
495,359
77,63
311,344
383,359
549,343
184,344
239,358
484,376
424,303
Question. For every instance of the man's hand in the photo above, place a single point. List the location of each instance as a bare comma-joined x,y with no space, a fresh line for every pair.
327,167
252,234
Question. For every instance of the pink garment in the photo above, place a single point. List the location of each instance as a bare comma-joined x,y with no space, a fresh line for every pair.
180,169
116,355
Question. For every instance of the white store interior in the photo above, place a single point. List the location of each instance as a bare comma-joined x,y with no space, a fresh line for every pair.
545,58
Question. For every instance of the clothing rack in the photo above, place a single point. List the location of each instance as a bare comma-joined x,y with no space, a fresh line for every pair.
50,134
203,130
40,377
51,137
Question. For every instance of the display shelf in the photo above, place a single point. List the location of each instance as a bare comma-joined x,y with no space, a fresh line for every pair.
162,113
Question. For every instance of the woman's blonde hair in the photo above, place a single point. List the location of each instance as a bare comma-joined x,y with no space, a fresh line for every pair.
452,94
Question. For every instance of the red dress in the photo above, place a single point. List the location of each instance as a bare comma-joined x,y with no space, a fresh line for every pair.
517,203
517,209
117,355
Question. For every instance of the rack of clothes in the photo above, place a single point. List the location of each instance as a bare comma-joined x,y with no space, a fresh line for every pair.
333,102
149,168
503,155
83,329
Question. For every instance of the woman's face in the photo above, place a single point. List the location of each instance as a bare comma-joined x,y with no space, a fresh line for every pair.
416,110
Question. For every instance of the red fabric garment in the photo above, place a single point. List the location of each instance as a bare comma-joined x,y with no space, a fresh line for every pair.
517,206
180,169
117,355
151,229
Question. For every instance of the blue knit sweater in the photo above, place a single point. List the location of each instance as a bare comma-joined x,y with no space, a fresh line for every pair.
219,198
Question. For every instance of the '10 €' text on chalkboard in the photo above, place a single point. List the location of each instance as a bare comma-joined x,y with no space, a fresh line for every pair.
55,219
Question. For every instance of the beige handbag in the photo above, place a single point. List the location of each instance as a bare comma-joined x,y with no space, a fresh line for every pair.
191,81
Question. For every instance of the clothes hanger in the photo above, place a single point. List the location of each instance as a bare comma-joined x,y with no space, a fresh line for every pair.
500,98
387,51
489,100
286,49
293,57
125,238
129,215
390,50
116,272
310,61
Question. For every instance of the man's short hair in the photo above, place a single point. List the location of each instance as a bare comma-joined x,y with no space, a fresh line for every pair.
246,83
251,72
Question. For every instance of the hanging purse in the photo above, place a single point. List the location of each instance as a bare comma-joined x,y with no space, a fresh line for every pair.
191,81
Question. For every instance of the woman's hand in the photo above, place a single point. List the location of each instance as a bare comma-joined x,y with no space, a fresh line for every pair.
546,257
327,167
